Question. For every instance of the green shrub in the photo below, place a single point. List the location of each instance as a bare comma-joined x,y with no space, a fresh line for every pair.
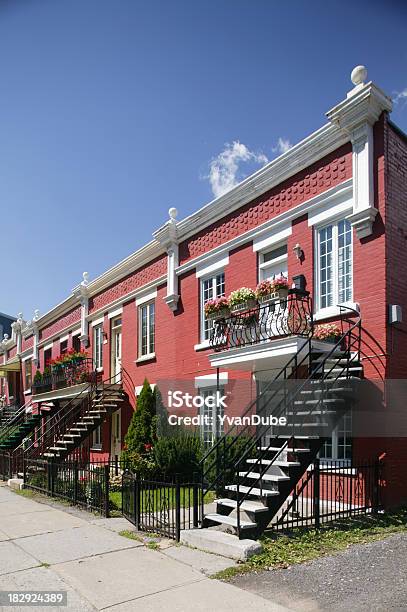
178,454
143,465
226,455
141,433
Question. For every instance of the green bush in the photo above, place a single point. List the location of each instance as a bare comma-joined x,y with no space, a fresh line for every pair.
178,454
141,433
226,456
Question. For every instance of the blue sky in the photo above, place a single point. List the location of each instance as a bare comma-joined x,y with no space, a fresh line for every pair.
111,111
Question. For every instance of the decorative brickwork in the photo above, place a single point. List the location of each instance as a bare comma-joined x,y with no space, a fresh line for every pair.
141,277
72,317
328,172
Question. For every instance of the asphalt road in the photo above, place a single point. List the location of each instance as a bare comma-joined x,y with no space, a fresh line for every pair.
364,578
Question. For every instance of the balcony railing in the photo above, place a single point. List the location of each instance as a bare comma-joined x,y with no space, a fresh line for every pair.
276,318
66,375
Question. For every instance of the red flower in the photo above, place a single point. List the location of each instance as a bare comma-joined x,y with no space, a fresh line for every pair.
148,447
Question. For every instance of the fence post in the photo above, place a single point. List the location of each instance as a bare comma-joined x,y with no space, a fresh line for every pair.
75,482
107,487
24,471
376,486
136,493
317,475
116,465
49,478
177,508
195,500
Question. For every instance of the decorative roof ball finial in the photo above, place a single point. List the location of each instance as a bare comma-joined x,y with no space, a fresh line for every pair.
358,75
85,278
36,314
173,212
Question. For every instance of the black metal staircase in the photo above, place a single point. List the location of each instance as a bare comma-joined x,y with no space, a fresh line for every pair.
256,468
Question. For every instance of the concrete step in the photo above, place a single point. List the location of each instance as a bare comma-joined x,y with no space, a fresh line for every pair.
253,491
288,449
247,506
220,543
265,477
229,520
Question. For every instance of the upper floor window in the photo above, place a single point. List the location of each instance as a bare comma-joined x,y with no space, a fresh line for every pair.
76,343
211,288
47,357
63,347
273,263
98,346
147,329
334,264
28,373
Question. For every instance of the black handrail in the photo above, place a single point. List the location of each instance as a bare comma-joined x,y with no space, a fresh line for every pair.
14,421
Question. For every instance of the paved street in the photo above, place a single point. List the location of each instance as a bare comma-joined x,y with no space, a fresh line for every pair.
364,578
46,548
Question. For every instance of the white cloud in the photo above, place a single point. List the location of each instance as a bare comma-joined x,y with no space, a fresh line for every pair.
225,169
401,96
283,144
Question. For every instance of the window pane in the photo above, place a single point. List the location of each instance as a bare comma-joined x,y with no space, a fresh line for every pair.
278,252
211,288
98,346
344,261
325,266
152,327
144,330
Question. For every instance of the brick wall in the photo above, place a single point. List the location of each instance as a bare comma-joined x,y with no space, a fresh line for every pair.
73,317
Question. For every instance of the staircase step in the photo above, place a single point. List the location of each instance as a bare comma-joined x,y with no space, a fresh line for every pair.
278,462
68,435
51,455
246,506
253,491
229,520
265,477
314,402
288,449
57,448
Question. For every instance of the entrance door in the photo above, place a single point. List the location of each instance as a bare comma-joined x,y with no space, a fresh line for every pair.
116,445
116,349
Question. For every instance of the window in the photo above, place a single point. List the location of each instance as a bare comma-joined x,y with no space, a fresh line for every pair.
339,445
47,357
211,288
147,329
211,427
334,264
63,347
97,438
98,346
76,343
28,373
273,263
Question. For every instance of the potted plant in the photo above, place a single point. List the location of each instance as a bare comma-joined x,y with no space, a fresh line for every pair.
327,332
37,379
265,292
242,299
280,286
217,308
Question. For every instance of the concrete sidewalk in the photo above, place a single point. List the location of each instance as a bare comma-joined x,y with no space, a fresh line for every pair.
45,548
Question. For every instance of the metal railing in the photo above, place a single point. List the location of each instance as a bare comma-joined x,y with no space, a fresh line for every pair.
163,507
75,372
289,316
331,490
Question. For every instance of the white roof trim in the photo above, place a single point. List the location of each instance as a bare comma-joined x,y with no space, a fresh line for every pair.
147,297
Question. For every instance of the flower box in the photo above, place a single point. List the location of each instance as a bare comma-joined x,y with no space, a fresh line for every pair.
221,314
243,306
280,294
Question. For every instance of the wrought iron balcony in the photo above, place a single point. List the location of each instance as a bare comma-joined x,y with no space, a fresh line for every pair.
275,318
65,375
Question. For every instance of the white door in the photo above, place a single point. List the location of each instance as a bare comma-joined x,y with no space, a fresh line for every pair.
116,445
116,348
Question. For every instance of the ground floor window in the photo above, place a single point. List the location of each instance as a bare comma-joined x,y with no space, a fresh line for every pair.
339,445
212,427
97,438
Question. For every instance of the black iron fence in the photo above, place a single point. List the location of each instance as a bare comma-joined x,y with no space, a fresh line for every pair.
331,490
160,506
75,372
85,486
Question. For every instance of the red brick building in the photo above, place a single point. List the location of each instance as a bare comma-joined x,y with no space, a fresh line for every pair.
330,212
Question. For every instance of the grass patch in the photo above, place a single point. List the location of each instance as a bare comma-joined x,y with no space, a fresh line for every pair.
45,564
126,533
305,544
186,495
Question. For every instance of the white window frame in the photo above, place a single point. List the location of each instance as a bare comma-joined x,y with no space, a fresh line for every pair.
150,353
217,428
332,310
98,348
97,438
335,438
281,259
214,278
